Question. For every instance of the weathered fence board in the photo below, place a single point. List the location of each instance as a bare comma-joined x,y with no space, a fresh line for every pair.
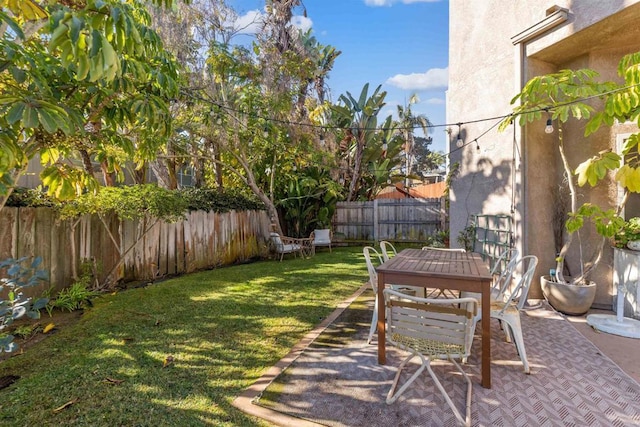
398,220
202,240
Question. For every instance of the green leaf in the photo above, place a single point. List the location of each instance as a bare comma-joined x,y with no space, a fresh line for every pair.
76,26
84,65
30,117
19,75
58,36
15,113
47,120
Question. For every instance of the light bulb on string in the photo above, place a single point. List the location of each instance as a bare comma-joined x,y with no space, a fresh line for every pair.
549,127
459,141
265,132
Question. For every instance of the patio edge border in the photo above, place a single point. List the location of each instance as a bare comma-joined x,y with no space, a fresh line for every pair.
245,401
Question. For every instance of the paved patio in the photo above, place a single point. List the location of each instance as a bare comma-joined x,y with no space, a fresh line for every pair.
614,374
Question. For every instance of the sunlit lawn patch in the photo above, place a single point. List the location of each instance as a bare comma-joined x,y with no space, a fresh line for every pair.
177,352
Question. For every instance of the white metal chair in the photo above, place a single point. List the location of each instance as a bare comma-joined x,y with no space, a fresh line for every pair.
320,237
371,255
500,275
510,301
387,250
431,329
370,252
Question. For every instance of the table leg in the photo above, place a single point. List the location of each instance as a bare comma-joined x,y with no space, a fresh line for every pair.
486,336
381,320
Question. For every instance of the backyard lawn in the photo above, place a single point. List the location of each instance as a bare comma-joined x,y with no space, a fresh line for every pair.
177,352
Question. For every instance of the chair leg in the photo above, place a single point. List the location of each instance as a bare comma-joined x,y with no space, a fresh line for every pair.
391,397
469,344
374,321
513,324
466,421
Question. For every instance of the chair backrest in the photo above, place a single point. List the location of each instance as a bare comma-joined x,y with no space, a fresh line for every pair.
505,261
387,250
517,294
277,241
369,252
322,236
432,248
503,275
438,327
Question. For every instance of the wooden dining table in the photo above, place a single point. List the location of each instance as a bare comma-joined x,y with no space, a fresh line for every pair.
463,271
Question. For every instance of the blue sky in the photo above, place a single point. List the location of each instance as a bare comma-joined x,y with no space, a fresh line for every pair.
399,44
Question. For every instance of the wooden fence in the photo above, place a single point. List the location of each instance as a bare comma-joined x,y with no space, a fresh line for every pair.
397,220
202,240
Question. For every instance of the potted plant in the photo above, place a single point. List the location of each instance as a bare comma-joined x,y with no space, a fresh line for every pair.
466,237
560,97
628,236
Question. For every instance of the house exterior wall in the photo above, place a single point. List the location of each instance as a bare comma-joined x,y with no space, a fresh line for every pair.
517,171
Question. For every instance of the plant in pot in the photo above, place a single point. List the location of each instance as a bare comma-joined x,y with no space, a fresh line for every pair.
628,236
568,95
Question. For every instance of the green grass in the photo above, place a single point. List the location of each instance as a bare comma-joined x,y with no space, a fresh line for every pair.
222,327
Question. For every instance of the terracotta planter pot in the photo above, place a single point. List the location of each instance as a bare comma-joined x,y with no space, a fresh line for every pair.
568,299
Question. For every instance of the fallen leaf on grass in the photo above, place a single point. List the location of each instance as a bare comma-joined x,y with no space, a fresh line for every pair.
48,328
65,406
112,381
167,361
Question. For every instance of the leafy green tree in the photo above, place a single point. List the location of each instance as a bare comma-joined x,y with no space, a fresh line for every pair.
408,122
564,96
81,82
148,204
426,160
245,110
369,154
308,201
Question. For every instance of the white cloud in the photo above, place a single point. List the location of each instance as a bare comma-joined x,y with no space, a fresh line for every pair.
250,22
435,78
301,22
376,3
434,101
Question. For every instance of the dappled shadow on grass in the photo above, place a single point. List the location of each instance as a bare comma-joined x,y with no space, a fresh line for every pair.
178,352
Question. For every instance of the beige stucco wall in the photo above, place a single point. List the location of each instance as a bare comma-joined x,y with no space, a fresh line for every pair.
485,71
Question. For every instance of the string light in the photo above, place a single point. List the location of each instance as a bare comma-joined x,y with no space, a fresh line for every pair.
549,127
445,125
265,131
460,141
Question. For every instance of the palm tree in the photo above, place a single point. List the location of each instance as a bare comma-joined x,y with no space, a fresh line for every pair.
407,124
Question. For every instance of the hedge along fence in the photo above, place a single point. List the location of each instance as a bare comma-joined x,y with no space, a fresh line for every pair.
202,240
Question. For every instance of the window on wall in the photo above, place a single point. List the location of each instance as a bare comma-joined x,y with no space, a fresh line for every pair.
632,208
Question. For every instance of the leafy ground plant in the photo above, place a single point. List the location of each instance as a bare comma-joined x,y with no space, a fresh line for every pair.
177,352
20,274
